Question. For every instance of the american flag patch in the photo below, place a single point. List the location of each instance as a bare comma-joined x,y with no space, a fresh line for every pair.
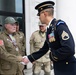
1,43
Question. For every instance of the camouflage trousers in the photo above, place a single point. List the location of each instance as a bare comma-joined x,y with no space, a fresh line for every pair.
38,66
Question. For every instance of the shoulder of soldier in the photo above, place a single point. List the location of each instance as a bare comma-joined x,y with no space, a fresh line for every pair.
35,32
60,22
2,34
21,33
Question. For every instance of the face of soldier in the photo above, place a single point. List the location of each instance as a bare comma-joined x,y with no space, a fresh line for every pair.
11,28
43,17
42,28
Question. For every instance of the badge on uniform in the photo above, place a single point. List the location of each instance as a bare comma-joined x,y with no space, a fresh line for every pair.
17,49
51,37
1,43
65,35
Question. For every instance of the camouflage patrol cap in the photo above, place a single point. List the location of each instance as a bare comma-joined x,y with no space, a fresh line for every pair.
10,20
40,24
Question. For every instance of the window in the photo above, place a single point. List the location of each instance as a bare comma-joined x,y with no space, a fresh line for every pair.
13,8
18,4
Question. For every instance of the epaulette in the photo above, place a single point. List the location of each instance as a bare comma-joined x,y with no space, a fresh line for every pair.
60,22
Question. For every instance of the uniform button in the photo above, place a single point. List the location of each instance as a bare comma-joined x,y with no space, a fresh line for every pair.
66,62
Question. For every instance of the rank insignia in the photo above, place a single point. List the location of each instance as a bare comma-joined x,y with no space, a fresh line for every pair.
65,35
51,37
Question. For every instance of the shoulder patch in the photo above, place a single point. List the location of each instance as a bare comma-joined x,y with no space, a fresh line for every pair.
61,22
65,35
1,43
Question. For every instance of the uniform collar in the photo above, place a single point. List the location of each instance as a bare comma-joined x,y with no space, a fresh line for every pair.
42,34
53,21
50,22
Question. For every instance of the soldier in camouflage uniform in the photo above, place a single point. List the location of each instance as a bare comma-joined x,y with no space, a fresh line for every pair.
10,49
36,42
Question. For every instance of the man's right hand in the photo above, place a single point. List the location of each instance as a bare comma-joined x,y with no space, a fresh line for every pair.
25,60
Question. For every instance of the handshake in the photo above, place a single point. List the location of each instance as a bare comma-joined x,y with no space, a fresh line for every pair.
23,60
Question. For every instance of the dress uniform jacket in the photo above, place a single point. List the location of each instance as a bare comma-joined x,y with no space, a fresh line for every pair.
36,42
8,64
62,49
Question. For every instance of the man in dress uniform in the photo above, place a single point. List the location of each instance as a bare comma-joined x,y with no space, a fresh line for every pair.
37,40
59,39
9,49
